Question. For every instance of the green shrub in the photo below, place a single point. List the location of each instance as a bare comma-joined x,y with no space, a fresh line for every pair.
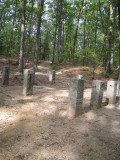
105,75
53,66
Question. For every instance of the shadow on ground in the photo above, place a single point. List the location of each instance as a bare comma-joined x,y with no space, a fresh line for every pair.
37,127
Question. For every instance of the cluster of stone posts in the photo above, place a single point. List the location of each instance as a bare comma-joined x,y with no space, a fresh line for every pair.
76,95
75,92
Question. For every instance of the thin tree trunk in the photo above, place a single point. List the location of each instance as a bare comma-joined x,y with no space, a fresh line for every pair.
30,29
76,32
38,34
84,43
110,65
118,91
112,35
20,67
53,58
104,41
59,29
96,28
14,19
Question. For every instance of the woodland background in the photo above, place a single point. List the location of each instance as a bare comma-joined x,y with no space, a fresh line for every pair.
85,32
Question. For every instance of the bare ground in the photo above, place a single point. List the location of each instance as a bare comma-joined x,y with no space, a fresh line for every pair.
37,127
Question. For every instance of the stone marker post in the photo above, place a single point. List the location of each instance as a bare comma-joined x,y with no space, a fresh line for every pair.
79,76
52,76
5,75
111,92
75,97
28,82
97,93
118,89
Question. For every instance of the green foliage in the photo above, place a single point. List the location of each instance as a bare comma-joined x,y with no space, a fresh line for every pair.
105,75
35,155
93,31
53,66
64,56
88,71
12,52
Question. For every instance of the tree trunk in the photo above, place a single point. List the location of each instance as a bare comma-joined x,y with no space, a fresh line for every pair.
30,30
104,41
96,28
14,19
110,65
84,42
20,67
76,32
59,29
54,45
41,4
118,90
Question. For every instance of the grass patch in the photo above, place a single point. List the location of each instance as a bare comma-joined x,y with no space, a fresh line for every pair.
14,72
88,71
105,75
55,67
36,156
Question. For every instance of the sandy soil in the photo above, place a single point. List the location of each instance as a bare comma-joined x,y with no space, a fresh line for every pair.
37,127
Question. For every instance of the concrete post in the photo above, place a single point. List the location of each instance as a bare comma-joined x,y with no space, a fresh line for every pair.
111,92
79,76
75,97
118,89
5,75
52,76
97,93
28,82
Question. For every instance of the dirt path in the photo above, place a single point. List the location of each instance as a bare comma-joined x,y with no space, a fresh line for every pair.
37,127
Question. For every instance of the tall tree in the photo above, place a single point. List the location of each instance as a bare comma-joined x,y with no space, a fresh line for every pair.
41,4
55,34
104,40
30,28
118,4
111,39
14,19
60,5
76,31
20,67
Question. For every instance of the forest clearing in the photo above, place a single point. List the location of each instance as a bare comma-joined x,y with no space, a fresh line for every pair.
59,80
37,126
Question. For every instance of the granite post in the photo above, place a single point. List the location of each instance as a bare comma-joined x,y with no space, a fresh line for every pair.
75,97
28,82
97,93
79,76
118,89
52,76
5,75
111,92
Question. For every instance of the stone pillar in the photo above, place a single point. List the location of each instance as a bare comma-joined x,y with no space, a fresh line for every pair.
28,82
97,93
75,97
33,75
111,92
5,75
118,89
79,76
52,76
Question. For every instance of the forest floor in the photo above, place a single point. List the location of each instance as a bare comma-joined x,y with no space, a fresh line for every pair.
37,127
